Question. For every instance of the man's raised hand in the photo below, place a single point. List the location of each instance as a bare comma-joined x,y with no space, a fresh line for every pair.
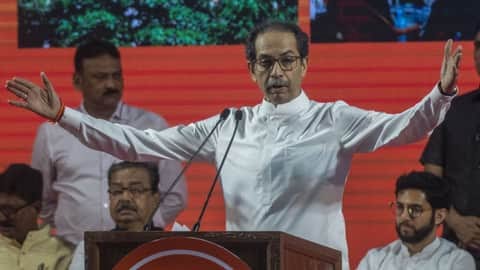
43,101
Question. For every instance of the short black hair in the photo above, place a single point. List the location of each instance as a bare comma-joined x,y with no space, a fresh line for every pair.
275,25
477,29
437,189
150,167
23,181
94,48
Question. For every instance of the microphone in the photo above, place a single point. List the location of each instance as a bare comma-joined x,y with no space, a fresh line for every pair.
238,117
223,116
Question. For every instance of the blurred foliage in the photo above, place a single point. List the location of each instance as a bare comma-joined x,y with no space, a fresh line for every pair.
65,23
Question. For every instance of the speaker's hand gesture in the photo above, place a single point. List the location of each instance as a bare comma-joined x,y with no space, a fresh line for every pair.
41,100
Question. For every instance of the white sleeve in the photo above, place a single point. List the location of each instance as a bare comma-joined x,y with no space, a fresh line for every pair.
78,259
176,200
128,143
365,131
368,262
464,261
42,160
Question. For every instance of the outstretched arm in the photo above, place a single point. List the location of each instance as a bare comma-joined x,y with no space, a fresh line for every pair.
124,142
364,131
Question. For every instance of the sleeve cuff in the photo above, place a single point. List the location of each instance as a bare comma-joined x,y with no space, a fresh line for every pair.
446,94
438,94
71,119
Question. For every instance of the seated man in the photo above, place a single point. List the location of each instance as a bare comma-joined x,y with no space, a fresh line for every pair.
23,244
134,196
423,200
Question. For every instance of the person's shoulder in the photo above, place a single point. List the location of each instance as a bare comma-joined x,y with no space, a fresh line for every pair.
138,112
49,241
468,97
455,254
449,247
336,105
143,118
376,255
462,105
393,247
50,130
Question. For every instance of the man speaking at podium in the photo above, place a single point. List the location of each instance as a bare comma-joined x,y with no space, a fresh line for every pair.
287,167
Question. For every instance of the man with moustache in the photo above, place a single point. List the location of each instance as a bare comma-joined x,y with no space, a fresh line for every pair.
23,243
453,151
75,185
289,162
134,195
422,203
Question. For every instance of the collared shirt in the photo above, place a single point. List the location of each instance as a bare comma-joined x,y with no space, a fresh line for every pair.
455,146
39,249
440,254
287,167
76,196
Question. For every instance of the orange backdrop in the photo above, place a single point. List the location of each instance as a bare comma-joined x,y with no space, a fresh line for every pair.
185,84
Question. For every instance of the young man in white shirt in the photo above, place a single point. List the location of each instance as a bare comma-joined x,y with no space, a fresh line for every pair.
421,206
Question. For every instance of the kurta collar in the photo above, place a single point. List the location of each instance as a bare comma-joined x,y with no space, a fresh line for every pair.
426,252
38,235
293,107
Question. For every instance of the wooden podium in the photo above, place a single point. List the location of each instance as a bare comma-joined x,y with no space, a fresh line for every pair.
260,250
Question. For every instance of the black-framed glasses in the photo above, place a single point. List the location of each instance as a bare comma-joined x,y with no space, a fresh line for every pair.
413,210
135,191
286,63
9,211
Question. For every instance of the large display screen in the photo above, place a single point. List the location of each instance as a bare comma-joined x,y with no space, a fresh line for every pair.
188,83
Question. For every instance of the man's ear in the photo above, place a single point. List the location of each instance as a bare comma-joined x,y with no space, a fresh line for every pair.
76,81
440,215
251,70
304,65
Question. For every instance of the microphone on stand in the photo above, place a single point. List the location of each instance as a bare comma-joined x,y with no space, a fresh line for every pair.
223,116
238,117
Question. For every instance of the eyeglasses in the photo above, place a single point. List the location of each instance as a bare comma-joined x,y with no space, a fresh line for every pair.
133,190
413,210
9,211
286,63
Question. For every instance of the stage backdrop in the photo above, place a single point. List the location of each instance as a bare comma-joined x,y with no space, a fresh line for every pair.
185,84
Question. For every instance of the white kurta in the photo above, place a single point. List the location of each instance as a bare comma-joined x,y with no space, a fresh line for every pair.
288,165
441,254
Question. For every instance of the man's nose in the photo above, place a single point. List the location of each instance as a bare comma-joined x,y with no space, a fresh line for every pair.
404,215
126,195
110,82
276,70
